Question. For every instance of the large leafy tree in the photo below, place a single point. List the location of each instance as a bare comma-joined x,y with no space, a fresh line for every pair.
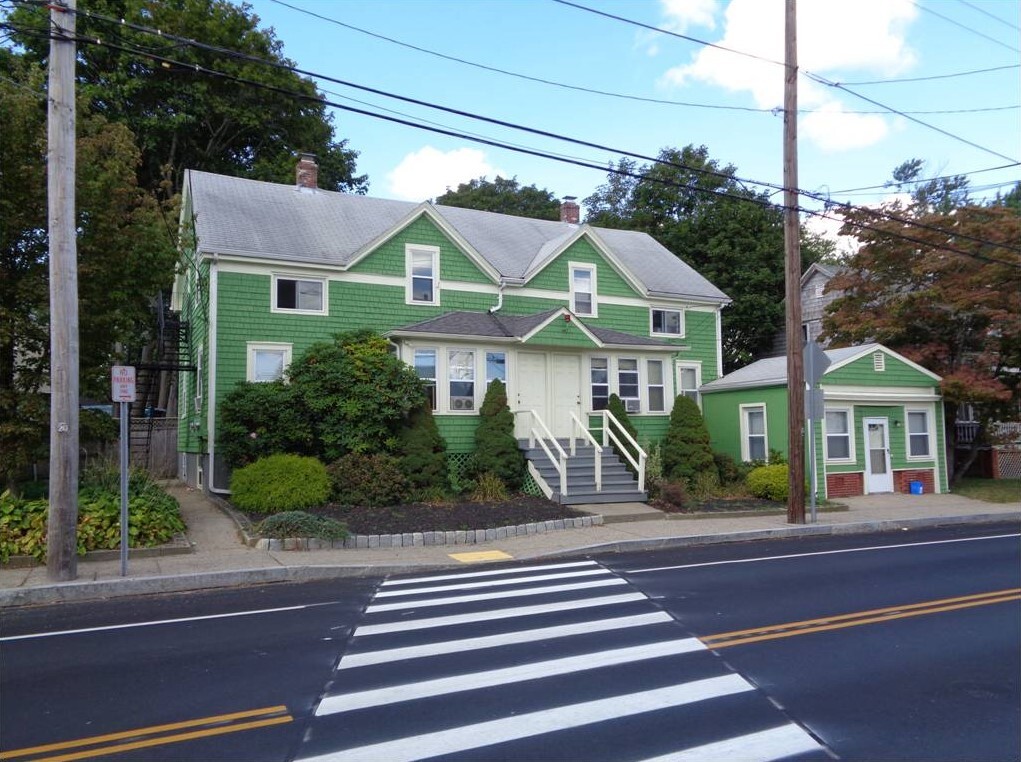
733,236
503,196
182,118
941,289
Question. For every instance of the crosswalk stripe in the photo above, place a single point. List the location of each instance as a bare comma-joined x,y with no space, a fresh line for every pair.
454,599
502,677
764,746
493,583
489,616
386,656
486,573
537,723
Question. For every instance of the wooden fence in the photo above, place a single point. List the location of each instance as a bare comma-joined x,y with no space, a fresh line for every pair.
154,446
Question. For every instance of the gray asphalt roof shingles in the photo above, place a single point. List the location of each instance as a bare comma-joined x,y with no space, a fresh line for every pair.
772,371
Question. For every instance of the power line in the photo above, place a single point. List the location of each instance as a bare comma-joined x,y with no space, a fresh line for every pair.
933,76
949,20
942,177
993,16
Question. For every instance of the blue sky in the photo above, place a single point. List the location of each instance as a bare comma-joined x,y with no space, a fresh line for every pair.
845,41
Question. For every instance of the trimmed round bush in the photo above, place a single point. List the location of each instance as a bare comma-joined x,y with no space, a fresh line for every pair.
769,482
280,483
280,526
368,480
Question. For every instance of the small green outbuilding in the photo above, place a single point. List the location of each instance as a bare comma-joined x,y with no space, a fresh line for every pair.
882,428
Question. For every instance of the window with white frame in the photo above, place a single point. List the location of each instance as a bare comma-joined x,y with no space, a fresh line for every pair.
919,444
267,362
307,295
689,378
422,264
667,322
838,435
599,376
461,367
754,445
656,387
496,367
583,289
627,384
425,368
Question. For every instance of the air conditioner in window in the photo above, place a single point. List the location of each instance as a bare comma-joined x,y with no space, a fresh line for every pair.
632,405
462,403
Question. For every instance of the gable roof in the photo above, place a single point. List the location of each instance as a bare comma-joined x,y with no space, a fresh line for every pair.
251,218
772,371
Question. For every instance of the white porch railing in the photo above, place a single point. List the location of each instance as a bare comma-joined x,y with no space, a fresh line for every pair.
609,434
577,425
539,432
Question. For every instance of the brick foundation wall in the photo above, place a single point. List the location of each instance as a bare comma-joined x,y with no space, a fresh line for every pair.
902,480
844,485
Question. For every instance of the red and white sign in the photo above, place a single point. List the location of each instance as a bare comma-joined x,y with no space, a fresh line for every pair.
123,383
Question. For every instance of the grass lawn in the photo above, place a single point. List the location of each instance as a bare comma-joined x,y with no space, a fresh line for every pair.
991,490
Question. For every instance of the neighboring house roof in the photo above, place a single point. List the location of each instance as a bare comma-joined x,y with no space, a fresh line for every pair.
518,328
250,218
772,371
828,271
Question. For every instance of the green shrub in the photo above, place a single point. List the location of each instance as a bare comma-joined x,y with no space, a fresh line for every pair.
686,450
263,419
705,485
653,470
423,452
369,480
673,493
496,449
769,482
489,488
461,474
280,483
729,470
301,524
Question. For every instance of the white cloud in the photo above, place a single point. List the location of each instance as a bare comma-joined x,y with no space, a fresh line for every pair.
835,38
832,129
681,15
428,172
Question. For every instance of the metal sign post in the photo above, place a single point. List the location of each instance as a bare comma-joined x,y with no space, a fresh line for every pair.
122,379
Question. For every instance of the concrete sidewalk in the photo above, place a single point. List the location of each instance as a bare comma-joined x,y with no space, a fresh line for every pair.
220,559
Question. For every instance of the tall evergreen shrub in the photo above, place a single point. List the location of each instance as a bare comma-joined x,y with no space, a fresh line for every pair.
496,449
686,450
423,451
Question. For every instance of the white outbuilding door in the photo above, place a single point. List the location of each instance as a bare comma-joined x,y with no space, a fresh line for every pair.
878,475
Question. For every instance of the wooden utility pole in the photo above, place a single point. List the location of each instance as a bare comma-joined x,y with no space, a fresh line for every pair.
792,274
61,556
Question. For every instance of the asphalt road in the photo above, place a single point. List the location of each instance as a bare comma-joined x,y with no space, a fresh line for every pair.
622,657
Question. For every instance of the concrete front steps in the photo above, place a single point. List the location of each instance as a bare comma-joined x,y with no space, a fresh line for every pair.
619,484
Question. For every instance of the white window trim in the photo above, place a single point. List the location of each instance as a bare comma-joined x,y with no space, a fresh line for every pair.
639,380
610,362
571,267
743,412
436,364
409,289
290,276
928,428
254,346
474,379
850,435
697,365
647,385
683,325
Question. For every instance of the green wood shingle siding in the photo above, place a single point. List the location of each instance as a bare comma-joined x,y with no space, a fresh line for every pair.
556,277
862,372
458,431
191,425
560,333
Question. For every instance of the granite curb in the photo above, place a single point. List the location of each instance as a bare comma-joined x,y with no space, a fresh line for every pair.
94,590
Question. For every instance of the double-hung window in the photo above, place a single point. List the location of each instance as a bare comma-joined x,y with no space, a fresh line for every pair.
267,362
918,434
657,390
599,376
461,364
425,367
667,323
496,367
627,383
422,264
583,289
838,435
688,379
753,433
304,295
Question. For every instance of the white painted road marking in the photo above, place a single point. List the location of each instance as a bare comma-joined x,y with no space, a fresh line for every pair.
486,573
455,599
494,583
764,746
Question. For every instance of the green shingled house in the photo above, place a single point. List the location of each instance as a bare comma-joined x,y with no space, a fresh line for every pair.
881,428
564,313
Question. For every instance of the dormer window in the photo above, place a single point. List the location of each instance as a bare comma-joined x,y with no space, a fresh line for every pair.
583,289
423,272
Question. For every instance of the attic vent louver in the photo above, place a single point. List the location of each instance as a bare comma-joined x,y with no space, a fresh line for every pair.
878,362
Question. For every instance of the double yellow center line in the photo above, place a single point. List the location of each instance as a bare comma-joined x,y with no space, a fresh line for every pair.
155,735
838,621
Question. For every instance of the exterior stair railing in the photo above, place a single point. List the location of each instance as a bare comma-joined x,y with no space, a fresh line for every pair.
539,432
578,426
610,433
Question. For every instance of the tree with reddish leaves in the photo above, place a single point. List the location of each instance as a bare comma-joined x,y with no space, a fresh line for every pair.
943,290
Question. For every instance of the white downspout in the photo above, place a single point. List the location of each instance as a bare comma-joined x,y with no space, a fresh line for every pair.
499,298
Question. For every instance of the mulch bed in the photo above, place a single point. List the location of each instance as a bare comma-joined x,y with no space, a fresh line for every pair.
443,517
721,505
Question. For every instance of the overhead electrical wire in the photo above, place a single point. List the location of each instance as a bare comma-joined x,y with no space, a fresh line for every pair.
993,16
900,80
966,28
941,177
186,66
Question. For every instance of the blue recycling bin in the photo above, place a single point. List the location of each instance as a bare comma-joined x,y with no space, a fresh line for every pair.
916,488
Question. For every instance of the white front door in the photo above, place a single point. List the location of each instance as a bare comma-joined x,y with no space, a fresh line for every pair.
878,476
531,391
566,393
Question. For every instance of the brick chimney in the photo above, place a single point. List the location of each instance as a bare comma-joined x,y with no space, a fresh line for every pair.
308,171
569,210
